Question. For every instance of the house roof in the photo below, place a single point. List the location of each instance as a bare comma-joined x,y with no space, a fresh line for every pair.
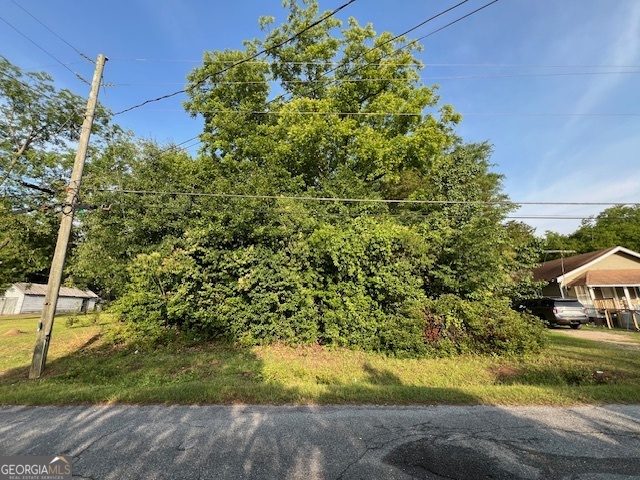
599,278
555,269
40,289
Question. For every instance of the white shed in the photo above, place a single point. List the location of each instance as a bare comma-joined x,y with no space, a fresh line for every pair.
29,298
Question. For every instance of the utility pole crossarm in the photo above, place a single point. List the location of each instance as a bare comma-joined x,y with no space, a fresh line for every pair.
57,265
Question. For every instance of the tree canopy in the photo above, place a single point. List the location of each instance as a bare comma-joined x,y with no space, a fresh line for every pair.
618,225
37,125
332,200
332,203
39,129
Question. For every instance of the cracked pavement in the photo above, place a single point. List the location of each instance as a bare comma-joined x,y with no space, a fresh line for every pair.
332,442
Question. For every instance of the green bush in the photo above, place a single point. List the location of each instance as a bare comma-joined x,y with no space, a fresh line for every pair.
361,285
342,287
454,325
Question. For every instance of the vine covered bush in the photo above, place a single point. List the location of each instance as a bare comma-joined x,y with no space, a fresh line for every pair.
345,214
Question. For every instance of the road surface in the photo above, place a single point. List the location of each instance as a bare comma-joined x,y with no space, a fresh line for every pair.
336,442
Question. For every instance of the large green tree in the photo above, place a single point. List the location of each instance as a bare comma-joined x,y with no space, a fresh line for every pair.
337,113
345,114
618,225
36,123
39,127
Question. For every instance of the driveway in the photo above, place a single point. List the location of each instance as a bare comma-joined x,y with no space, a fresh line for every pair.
603,336
261,442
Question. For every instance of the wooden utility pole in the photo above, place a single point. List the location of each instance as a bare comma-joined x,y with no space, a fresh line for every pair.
57,265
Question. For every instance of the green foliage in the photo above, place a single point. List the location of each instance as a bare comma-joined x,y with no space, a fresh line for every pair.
455,325
368,272
619,225
337,287
39,126
247,266
27,242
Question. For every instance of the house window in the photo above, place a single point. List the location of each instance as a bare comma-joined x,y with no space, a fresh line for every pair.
583,295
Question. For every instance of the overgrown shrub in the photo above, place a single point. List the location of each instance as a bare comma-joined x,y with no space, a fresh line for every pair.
454,326
341,287
361,285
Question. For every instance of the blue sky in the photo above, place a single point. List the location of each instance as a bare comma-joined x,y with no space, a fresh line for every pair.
519,64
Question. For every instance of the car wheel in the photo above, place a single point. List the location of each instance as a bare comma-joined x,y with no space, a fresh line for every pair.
575,327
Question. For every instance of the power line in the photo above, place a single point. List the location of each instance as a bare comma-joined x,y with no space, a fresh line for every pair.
265,50
108,207
431,33
385,43
346,62
363,80
251,58
454,22
398,36
360,200
45,51
50,30
415,114
428,35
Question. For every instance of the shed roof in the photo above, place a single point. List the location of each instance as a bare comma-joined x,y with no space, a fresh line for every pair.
40,289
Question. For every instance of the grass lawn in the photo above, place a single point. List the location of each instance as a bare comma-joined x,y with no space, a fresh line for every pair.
83,368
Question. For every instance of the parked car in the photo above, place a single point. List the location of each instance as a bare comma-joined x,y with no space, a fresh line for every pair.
557,311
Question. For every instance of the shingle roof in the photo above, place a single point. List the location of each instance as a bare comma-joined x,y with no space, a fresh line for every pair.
608,277
40,289
556,268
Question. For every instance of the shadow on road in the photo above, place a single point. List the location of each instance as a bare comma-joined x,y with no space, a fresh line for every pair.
255,442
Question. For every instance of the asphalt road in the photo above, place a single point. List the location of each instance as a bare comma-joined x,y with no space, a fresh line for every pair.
260,442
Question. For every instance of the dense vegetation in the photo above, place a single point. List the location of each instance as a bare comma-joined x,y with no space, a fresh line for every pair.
260,255
619,225
38,127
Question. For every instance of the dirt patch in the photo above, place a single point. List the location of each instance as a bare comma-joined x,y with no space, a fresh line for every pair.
601,336
12,333
503,373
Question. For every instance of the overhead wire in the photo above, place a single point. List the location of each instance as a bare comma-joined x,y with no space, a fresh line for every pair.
415,114
346,62
54,33
106,207
454,22
371,49
364,80
337,63
362,200
251,57
80,77
266,50
56,208
359,68
393,39
375,47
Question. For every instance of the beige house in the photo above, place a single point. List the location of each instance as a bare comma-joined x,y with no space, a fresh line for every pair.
604,280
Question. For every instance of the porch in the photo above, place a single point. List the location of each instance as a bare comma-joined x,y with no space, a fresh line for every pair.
613,305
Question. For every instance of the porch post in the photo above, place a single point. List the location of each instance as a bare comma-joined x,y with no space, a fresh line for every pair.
632,310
